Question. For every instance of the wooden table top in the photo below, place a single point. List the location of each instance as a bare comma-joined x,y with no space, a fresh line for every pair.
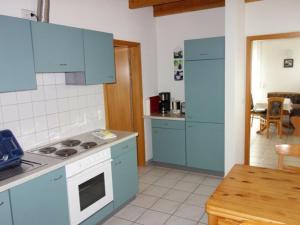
259,194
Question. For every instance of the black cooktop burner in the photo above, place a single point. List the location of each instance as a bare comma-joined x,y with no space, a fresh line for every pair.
71,143
66,152
47,150
88,145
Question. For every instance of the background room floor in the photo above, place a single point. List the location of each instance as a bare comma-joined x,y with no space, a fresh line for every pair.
168,196
262,149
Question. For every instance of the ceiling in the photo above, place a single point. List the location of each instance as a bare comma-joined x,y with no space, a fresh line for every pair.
168,7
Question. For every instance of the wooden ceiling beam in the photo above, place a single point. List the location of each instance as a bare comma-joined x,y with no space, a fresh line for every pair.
133,4
186,6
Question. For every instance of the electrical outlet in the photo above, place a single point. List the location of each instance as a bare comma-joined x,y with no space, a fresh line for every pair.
28,14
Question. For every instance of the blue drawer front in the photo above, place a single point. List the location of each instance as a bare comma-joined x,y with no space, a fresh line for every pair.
168,124
5,212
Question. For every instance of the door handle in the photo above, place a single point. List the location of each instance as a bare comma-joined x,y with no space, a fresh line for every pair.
1,203
124,147
63,64
58,178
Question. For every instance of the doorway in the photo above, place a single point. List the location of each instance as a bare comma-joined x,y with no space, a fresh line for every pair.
124,99
251,45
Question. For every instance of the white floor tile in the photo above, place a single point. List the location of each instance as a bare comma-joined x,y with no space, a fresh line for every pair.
168,183
211,181
157,191
174,175
117,221
130,212
205,190
190,212
185,186
174,220
143,186
175,195
197,200
145,201
153,218
148,178
193,178
165,206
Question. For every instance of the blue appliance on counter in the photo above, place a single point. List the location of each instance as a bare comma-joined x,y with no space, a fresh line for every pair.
10,151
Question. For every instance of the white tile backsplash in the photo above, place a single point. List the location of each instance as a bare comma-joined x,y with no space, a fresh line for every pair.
53,111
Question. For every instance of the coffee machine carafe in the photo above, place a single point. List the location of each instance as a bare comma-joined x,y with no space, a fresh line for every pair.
164,102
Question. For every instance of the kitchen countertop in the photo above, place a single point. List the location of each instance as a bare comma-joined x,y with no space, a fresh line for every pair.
168,116
52,164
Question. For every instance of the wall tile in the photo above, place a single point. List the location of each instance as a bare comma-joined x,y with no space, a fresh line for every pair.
51,107
50,92
51,112
52,121
38,95
9,98
39,108
24,96
40,123
14,127
27,126
10,113
25,110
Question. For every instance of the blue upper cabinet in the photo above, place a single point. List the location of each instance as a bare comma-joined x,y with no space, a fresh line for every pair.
204,90
99,57
57,48
5,212
16,55
207,48
42,201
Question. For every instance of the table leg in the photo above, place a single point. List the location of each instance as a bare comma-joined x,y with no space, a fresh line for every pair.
212,220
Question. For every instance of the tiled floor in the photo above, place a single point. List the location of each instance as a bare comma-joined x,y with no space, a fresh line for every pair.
262,149
168,196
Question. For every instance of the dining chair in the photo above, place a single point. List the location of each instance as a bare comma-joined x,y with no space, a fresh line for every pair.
284,150
255,113
274,115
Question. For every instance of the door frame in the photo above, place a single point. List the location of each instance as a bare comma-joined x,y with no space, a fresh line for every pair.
137,91
250,40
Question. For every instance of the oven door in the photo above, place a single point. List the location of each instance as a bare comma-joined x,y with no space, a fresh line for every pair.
89,191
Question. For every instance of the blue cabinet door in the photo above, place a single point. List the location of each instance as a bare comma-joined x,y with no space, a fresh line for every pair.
125,177
16,55
205,146
206,48
168,146
204,90
57,48
42,201
99,57
5,212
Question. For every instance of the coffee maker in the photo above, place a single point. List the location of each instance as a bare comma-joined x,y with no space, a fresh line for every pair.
164,102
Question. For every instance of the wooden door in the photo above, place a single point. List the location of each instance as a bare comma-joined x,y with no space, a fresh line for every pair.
118,95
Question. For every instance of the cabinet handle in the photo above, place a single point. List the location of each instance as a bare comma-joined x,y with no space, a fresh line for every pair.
124,147
203,53
1,203
190,126
58,178
63,64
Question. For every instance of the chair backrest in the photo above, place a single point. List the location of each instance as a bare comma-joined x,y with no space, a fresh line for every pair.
284,150
275,108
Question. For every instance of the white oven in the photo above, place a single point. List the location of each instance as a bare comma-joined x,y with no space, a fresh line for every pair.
89,182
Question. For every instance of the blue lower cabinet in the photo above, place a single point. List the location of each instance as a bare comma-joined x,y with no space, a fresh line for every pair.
99,216
42,201
168,145
5,212
125,176
205,146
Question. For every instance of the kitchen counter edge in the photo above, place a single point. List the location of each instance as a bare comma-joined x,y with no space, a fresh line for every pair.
165,117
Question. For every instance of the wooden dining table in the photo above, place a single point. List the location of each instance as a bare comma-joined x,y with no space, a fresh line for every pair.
256,194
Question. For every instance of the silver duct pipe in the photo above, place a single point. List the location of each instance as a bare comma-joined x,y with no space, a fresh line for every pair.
43,10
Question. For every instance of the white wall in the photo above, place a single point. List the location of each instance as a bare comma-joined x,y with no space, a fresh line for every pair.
272,16
110,16
268,73
234,82
171,31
